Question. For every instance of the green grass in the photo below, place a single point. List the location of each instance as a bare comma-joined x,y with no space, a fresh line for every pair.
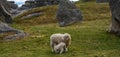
89,38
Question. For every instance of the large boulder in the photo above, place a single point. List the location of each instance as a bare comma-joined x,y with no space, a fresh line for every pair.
4,28
115,10
68,13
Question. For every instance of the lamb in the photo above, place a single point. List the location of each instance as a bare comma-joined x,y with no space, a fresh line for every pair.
60,48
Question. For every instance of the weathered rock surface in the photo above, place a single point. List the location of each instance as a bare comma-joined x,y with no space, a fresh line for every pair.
12,5
5,28
102,1
68,13
5,16
15,36
32,15
37,3
4,13
27,5
115,10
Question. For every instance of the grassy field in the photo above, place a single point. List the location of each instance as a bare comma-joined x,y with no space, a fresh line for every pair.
89,38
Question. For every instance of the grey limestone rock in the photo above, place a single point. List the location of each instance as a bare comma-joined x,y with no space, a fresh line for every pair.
32,15
102,1
5,16
115,10
68,13
6,28
4,12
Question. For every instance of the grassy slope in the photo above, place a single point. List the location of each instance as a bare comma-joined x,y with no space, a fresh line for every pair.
89,38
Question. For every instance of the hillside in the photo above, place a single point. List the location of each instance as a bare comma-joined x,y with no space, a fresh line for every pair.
89,38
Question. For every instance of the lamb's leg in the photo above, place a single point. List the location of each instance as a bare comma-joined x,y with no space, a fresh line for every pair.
62,50
65,49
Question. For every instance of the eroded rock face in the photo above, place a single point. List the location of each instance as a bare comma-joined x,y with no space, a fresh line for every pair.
4,12
5,16
37,3
28,5
12,5
32,15
102,1
115,10
68,13
4,28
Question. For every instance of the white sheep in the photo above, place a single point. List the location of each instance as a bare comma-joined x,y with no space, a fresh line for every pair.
56,39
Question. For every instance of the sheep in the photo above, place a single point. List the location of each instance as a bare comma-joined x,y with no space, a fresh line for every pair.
60,48
56,39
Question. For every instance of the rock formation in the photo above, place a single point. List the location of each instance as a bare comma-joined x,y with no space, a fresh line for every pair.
68,13
4,12
4,28
37,3
102,1
5,16
115,10
12,5
28,4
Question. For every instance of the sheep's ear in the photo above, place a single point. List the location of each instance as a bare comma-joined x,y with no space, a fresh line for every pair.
65,33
